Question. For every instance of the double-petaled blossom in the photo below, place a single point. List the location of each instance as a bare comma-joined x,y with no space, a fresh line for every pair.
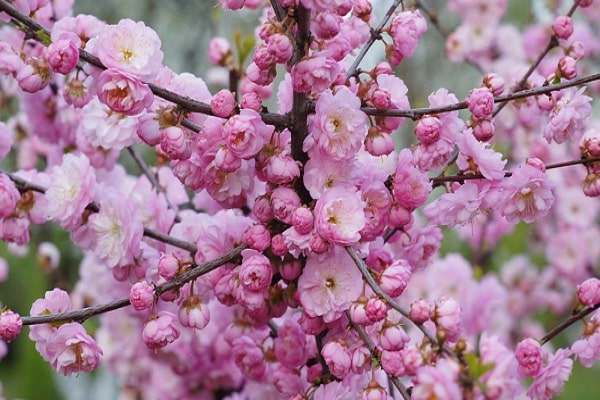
339,216
290,345
71,350
131,47
411,186
255,272
477,157
529,356
328,285
54,302
315,74
551,379
123,92
107,129
63,54
406,30
339,126
160,330
10,325
245,134
9,196
141,295
568,116
527,195
337,357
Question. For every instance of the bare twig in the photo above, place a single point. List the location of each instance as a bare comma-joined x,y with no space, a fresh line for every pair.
568,322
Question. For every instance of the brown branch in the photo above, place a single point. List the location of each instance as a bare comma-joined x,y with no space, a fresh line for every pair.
84,313
568,322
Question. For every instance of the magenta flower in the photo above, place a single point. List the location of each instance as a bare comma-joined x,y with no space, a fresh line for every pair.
529,356
329,285
314,74
245,134
141,295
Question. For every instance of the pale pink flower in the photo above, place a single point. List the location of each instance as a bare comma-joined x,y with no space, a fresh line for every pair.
552,378
411,186
588,292
587,349
568,116
477,157
448,317
339,216
337,357
529,356
63,54
54,302
528,195
245,134
339,126
131,47
329,285
428,129
438,382
168,266
393,337
392,364
290,345
35,75
314,74
71,350
481,102
322,173
116,231
72,188
10,325
105,128
222,103
458,207
123,92
160,330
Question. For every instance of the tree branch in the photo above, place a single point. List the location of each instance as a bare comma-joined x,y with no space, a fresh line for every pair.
568,322
83,314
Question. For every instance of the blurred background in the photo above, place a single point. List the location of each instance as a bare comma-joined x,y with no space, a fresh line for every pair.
185,28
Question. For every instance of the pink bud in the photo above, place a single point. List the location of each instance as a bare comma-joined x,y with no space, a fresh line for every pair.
399,216
591,185
483,129
381,98
290,270
75,93
141,295
481,102
175,144
358,312
362,9
285,200
258,237
310,325
222,103
374,391
383,68
149,129
529,356
361,360
34,76
337,357
391,362
255,272
326,25
588,292
252,101
567,67
393,338
494,82
280,48
263,209
379,143
278,246
168,266
420,311
428,129
376,309
394,278
318,245
562,27
193,313
536,163
10,325
447,316
314,372
576,50
160,330
302,220
63,54
219,51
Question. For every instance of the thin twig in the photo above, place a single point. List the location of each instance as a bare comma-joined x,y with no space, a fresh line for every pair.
374,353
568,322
88,312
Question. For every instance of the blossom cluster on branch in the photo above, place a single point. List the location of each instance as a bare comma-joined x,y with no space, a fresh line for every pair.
296,254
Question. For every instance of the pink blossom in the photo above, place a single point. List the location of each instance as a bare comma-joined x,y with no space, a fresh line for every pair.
63,54
483,129
587,349
406,30
222,103
290,345
494,82
107,129
193,313
420,311
141,295
9,196
439,381
568,116
10,61
337,357
251,100
175,142
75,93
339,216
281,169
428,129
448,317
481,102
131,47
219,51
567,67
280,47
285,201
552,378
10,325
35,75
393,337
257,237
395,277
116,231
71,350
302,220
314,74
588,292
529,355
249,357
123,92
339,126
168,266
458,207
376,309
246,133
562,27
54,302
528,195
160,330
411,187
477,157
329,285
399,100
379,143
391,362
72,188
255,272
326,25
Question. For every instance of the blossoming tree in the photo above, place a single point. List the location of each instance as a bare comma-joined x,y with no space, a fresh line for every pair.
296,253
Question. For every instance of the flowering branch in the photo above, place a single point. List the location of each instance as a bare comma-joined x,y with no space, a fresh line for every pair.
83,314
568,322
23,185
374,353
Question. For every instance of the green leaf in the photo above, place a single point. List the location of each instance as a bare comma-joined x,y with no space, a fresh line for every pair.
244,46
44,37
476,368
